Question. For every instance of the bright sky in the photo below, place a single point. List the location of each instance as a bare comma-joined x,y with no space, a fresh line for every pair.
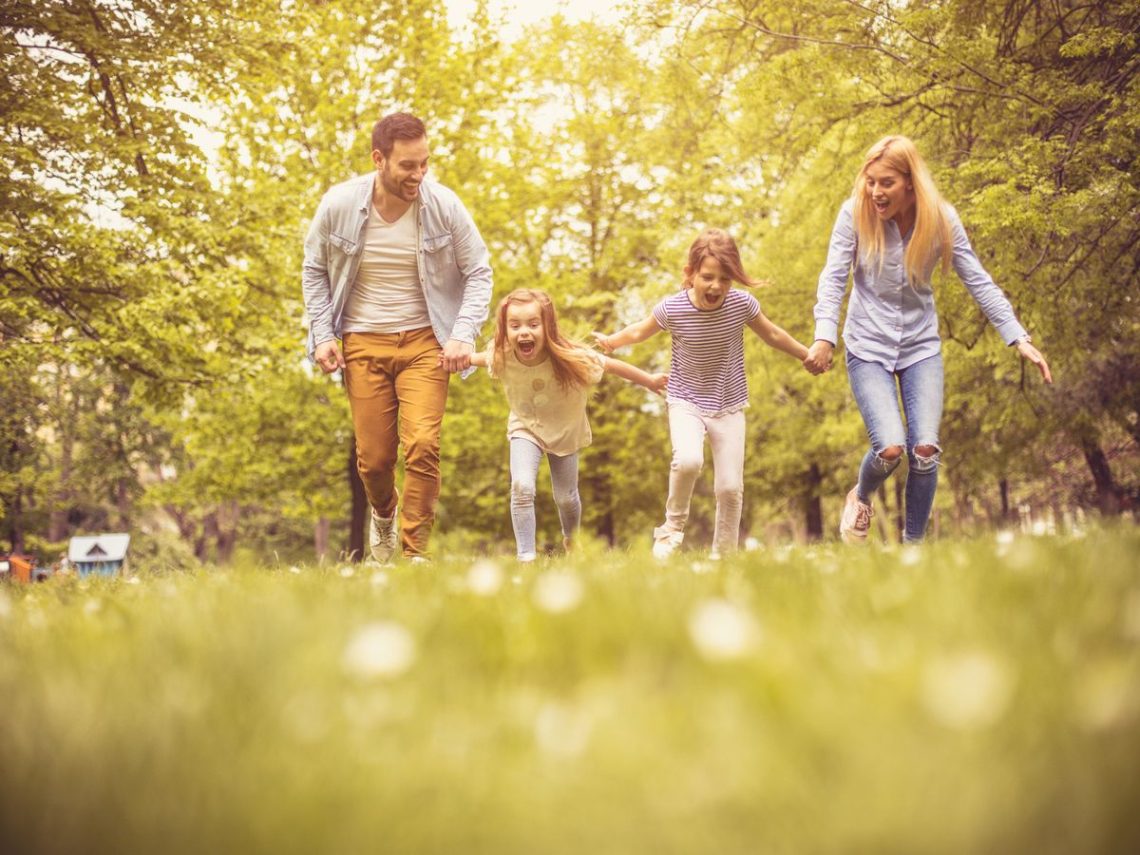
523,12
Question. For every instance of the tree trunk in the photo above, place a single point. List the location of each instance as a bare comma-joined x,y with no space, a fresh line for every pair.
361,510
1107,491
813,506
226,537
321,538
15,523
1003,485
61,501
208,535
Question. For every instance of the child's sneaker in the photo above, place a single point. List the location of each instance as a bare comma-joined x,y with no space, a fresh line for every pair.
855,522
665,543
382,538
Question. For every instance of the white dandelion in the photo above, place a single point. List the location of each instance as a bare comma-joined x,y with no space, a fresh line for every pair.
966,691
722,630
557,591
562,730
484,578
380,649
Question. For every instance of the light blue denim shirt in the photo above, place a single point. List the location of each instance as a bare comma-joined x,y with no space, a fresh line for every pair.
888,321
452,260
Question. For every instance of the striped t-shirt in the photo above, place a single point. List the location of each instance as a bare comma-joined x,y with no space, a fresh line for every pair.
707,366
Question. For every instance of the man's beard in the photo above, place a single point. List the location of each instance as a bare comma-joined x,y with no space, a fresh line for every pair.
395,188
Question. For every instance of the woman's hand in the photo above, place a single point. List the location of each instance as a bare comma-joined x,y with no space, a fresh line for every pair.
819,356
1028,351
660,381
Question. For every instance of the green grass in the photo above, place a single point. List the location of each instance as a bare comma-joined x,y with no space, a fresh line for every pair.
965,697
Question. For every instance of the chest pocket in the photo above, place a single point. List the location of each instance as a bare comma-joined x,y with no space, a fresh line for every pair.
345,245
438,245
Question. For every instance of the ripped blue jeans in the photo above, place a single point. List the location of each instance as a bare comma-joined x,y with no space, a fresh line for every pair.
877,392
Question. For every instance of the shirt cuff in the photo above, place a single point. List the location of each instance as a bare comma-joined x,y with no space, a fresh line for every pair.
1011,331
827,330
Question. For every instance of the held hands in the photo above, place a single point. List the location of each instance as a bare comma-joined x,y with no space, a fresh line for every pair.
658,384
1028,351
603,341
456,355
819,356
328,356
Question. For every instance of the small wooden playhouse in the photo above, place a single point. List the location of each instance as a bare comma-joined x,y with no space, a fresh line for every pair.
100,554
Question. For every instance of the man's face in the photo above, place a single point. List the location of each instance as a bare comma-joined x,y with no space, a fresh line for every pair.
403,170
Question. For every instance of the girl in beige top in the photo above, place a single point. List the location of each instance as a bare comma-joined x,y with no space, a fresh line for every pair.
547,380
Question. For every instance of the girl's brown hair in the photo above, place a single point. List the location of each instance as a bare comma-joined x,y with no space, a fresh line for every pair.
573,364
718,244
930,240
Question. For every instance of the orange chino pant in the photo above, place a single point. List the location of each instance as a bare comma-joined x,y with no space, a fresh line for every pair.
397,393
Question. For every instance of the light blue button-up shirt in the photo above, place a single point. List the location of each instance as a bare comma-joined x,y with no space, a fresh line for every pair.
451,259
888,321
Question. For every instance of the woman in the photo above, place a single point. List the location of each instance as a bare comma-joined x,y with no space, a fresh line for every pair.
892,232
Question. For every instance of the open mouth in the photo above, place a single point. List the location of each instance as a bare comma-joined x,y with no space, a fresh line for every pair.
881,205
526,348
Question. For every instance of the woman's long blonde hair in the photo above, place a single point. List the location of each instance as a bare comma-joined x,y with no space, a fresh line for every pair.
931,236
573,364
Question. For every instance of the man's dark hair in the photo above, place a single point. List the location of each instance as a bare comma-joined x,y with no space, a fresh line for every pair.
397,126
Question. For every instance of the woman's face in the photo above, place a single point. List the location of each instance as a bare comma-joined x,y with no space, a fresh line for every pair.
890,191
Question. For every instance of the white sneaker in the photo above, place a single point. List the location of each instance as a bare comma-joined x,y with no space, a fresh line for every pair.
665,543
855,522
383,538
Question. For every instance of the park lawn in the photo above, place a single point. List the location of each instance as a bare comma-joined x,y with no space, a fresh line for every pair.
962,697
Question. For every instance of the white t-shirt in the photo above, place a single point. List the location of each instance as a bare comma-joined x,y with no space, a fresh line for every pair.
386,296
550,416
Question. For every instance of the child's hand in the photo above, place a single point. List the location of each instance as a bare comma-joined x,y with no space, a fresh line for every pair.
813,368
658,384
818,359
603,341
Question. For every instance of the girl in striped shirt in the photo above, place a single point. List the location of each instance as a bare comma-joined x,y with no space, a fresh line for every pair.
707,391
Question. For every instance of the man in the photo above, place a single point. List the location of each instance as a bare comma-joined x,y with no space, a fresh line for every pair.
395,268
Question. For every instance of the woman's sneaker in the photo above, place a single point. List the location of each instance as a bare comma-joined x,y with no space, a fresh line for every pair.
665,543
383,538
856,519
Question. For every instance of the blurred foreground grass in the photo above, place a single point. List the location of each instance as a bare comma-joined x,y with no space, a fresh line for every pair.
965,697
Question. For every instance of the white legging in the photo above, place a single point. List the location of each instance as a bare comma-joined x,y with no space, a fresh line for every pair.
525,457
687,429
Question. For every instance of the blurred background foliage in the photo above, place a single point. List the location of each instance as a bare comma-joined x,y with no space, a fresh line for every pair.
161,162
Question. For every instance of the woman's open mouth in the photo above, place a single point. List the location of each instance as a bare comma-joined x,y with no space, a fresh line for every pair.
881,205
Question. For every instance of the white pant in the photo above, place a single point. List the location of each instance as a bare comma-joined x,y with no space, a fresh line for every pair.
687,429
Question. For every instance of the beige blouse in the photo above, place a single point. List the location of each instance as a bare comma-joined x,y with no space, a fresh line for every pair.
550,416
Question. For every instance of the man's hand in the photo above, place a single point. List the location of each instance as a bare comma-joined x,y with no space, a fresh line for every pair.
819,356
328,356
456,355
